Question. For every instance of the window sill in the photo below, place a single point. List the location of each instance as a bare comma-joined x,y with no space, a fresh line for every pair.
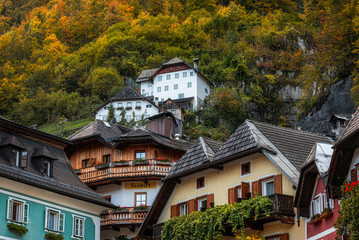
16,222
77,238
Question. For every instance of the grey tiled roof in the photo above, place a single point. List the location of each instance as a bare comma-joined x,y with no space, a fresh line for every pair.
11,140
64,181
199,153
146,75
352,127
127,94
98,128
174,61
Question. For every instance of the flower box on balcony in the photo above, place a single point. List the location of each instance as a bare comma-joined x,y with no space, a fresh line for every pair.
77,171
141,162
102,165
138,107
120,163
119,108
121,210
326,213
164,161
141,208
128,108
315,219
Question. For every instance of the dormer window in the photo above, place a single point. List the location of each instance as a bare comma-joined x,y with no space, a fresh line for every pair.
18,158
47,168
44,160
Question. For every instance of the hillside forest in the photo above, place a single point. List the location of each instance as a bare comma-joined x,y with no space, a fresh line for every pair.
61,58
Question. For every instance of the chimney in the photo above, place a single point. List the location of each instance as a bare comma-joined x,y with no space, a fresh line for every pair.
195,61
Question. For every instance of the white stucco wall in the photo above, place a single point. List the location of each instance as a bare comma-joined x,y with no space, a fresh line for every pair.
102,114
196,90
202,85
126,198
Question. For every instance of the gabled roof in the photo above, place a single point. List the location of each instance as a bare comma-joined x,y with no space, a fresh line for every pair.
64,181
199,154
144,135
146,75
107,132
127,94
173,61
13,141
351,129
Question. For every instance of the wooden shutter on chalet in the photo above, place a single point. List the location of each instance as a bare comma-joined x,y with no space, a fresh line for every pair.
174,210
278,183
353,175
210,199
191,206
245,190
232,195
256,188
284,236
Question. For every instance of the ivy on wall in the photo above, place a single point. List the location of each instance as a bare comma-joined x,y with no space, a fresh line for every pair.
213,222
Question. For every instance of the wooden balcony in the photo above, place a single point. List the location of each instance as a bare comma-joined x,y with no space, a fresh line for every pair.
130,169
117,219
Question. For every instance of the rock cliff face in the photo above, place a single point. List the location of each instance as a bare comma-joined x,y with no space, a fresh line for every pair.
338,102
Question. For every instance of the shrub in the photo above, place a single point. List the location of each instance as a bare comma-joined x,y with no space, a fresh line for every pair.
53,236
19,229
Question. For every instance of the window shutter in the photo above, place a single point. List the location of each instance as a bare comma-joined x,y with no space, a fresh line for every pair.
9,209
191,206
62,222
256,188
13,160
231,195
278,184
284,236
244,189
26,213
46,217
353,174
174,211
210,199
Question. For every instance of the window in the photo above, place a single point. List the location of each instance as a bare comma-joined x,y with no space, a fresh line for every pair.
148,106
175,86
166,88
54,220
317,204
181,95
200,183
150,84
17,211
206,90
129,104
147,94
138,104
184,74
168,76
151,93
78,228
245,168
47,168
189,84
140,155
143,91
191,74
183,209
202,204
239,192
173,112
158,89
128,118
138,117
119,105
106,158
176,75
159,78
140,199
107,108
268,187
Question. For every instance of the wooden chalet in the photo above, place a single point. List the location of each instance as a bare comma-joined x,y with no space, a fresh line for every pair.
126,167
258,158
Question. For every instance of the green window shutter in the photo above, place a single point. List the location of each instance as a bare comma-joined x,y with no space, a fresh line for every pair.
9,209
26,213
62,222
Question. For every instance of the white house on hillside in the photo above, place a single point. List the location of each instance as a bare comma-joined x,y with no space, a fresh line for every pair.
177,80
132,102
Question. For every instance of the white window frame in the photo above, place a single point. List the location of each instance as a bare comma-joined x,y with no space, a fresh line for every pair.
128,117
78,234
48,163
191,74
168,77
149,84
119,105
179,95
184,209
159,78
138,117
159,89
189,84
141,201
175,87
176,75
59,221
129,104
199,203
317,204
23,211
166,88
184,74
264,189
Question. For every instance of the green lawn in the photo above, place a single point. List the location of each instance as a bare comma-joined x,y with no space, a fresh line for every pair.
57,129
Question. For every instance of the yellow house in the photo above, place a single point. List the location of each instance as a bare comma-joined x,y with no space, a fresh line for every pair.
258,158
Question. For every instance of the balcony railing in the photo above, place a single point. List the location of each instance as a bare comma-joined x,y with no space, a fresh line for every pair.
128,217
131,168
282,204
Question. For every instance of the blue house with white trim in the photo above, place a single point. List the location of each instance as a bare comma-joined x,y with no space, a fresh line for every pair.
40,195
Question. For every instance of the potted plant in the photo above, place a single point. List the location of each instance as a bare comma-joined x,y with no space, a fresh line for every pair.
164,161
53,236
119,108
327,212
102,165
121,209
138,107
315,219
141,161
77,170
142,207
128,108
17,228
120,163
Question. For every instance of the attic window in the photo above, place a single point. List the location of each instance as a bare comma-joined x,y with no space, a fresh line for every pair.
200,183
47,167
18,158
107,108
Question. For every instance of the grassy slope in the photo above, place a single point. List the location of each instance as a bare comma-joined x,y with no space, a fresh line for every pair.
56,129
